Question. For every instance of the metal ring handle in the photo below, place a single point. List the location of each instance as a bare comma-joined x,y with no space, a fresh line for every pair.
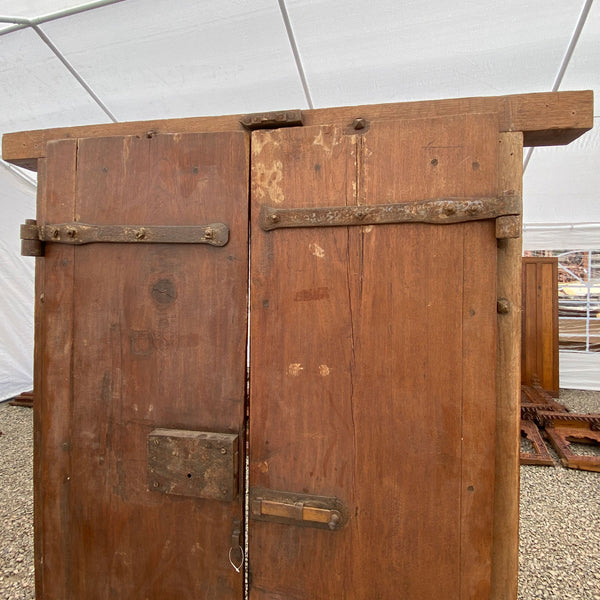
238,568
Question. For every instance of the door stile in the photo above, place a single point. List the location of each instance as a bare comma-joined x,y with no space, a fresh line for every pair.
505,565
53,405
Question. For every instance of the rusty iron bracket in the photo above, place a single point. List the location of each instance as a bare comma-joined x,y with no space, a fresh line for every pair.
272,120
438,211
322,512
33,235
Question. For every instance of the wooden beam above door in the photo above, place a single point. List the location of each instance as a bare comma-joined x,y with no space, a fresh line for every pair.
546,119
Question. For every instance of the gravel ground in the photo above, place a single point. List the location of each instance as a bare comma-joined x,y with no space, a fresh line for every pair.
16,503
559,556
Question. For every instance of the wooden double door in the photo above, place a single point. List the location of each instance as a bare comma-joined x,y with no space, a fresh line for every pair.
365,407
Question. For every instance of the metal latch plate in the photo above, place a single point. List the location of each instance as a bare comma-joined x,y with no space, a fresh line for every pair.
304,510
201,464
272,120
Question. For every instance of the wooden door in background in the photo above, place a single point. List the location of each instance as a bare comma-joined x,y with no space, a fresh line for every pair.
373,364
135,338
539,344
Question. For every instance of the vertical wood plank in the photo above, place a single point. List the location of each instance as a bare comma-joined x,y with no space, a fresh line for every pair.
302,435
479,366
38,383
505,563
53,352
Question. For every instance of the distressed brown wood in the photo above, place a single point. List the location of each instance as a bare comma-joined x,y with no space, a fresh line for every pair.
505,558
539,356
548,118
384,372
369,344
53,383
137,338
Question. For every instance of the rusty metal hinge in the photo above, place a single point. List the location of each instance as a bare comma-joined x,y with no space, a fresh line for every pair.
272,120
437,211
323,512
33,235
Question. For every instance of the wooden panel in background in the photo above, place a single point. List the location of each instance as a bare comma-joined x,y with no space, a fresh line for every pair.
373,356
539,349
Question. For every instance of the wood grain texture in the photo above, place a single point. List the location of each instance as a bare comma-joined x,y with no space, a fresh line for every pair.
53,386
373,353
549,118
159,341
505,556
539,355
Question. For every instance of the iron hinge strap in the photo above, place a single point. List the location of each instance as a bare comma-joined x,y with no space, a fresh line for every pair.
437,211
32,235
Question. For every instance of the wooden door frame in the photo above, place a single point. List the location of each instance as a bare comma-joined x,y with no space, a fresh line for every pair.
543,119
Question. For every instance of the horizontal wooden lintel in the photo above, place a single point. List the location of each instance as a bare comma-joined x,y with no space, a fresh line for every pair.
546,119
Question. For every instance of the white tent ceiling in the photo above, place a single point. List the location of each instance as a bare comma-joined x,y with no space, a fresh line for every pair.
146,59
63,63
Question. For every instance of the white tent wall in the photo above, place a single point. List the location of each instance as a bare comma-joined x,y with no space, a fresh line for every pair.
146,59
17,199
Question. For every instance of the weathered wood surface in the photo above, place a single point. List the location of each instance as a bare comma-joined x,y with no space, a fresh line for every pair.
373,353
135,338
549,118
505,559
539,353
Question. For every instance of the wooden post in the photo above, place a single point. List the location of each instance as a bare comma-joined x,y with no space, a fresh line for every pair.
505,562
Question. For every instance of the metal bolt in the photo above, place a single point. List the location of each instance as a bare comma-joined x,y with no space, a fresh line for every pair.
140,234
359,124
360,214
334,519
224,491
450,209
156,484
274,218
156,442
503,306
223,450
209,233
55,233
71,233
473,209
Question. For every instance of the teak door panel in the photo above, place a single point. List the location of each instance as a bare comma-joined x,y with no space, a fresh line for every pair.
373,363
135,338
